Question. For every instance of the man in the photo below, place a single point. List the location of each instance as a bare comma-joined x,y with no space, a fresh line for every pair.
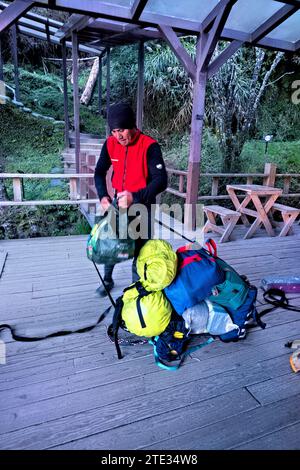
139,173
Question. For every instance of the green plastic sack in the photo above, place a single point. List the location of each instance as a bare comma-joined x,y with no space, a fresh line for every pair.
155,308
109,241
156,265
233,291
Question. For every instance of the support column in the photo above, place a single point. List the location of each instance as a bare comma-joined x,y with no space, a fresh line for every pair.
1,61
66,111
107,87
195,141
100,87
140,87
14,53
76,99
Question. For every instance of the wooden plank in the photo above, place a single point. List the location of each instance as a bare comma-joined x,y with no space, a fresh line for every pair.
13,12
286,438
260,421
278,388
197,415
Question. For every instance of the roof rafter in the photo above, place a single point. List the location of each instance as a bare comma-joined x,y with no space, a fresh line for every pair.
217,63
75,23
54,40
13,12
272,22
182,55
214,34
137,9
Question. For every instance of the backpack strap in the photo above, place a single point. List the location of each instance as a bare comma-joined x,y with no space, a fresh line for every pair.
164,366
17,337
117,318
116,324
277,298
142,293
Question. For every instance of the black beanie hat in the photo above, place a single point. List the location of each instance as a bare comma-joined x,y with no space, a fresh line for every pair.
121,116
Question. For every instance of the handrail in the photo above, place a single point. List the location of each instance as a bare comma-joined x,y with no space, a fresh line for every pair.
10,88
269,176
75,196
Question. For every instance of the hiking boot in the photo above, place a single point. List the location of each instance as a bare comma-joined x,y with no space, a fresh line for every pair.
101,291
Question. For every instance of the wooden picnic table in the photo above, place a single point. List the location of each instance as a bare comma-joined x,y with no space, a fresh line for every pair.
262,197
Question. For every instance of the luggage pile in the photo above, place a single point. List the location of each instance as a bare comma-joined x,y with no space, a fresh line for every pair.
178,294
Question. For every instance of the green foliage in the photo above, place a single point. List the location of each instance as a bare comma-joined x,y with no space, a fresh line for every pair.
277,114
43,93
41,221
286,155
30,145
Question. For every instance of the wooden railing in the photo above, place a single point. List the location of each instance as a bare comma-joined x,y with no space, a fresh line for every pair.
269,178
78,194
82,189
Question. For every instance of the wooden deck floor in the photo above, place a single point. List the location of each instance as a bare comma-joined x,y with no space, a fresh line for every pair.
72,392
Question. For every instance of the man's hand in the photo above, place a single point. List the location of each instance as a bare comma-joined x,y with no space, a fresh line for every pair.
125,199
105,203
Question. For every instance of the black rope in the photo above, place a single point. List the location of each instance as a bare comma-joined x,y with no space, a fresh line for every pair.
17,337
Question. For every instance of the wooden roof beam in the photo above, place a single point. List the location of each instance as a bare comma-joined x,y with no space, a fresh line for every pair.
223,57
55,40
137,9
271,23
178,49
209,20
214,35
13,12
75,23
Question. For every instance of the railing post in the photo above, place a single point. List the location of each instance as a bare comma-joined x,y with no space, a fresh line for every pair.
73,188
17,188
181,183
270,174
215,186
286,184
249,179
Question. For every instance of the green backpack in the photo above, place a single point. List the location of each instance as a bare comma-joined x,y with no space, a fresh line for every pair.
233,291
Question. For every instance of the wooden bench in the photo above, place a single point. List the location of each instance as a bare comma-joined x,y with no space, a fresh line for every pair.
229,219
289,215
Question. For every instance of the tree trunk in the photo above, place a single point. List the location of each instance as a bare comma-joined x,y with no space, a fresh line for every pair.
90,84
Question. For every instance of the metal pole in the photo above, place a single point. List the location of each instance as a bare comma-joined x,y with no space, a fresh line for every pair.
140,87
66,112
100,87
76,99
1,61
14,53
107,87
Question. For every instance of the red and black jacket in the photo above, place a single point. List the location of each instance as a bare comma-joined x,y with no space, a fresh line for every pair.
138,168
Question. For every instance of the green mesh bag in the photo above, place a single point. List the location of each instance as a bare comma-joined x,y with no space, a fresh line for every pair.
109,241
